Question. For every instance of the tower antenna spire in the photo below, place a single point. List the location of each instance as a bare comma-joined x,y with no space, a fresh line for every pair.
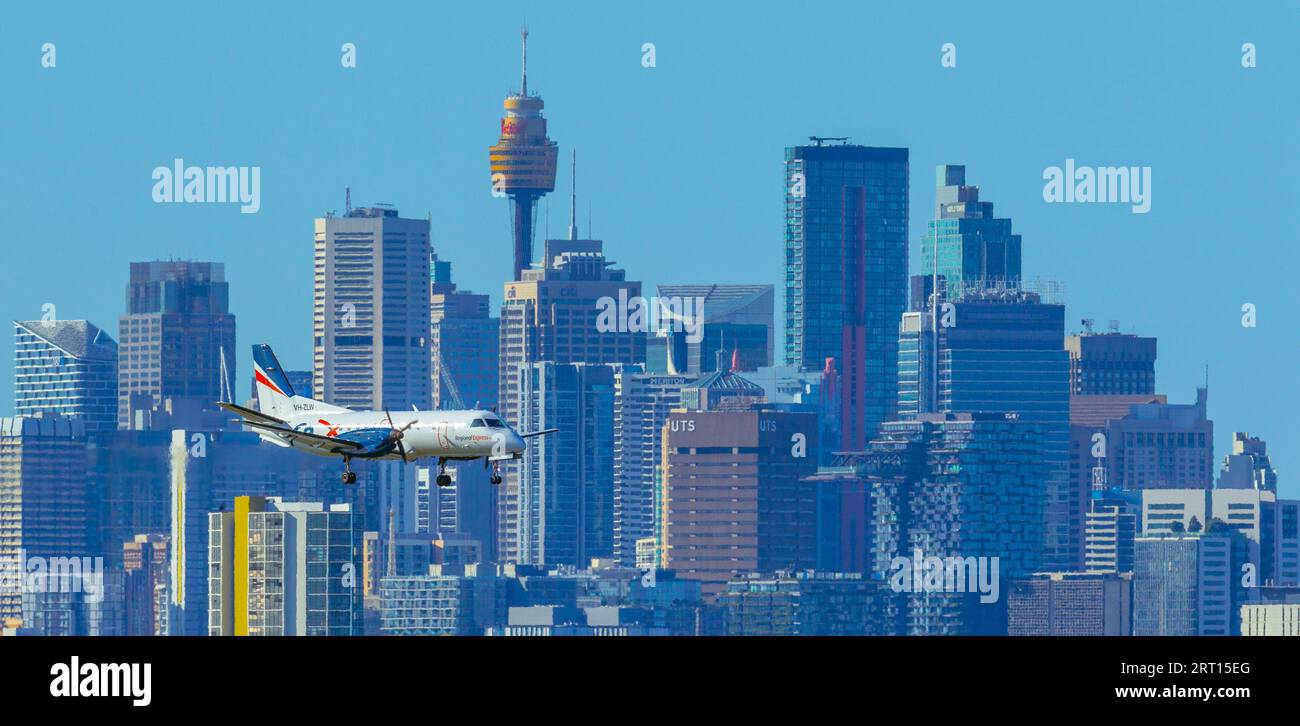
523,86
573,197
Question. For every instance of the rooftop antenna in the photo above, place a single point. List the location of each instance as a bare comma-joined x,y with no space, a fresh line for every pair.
347,199
573,198
523,85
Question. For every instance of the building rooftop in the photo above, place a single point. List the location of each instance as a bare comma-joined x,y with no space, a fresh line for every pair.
77,338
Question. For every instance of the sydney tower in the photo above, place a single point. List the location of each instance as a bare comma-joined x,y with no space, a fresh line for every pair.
523,163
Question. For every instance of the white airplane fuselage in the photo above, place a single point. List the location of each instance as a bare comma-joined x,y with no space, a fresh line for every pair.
452,435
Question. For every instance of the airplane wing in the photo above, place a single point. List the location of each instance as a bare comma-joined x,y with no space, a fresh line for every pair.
324,443
543,432
249,415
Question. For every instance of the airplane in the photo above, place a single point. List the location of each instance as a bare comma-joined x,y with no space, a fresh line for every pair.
292,421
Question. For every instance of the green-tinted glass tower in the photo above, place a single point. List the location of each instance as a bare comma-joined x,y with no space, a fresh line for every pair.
976,250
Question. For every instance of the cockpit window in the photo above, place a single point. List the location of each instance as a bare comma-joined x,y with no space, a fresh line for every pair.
495,423
478,424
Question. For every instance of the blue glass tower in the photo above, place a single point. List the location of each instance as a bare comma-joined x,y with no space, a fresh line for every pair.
846,273
960,487
999,351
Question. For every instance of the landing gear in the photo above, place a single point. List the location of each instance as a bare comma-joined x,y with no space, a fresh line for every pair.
444,479
349,476
496,474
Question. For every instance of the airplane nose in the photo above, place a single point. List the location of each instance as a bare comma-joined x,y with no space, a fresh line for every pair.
517,444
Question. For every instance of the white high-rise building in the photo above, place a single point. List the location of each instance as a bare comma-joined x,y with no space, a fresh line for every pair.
370,319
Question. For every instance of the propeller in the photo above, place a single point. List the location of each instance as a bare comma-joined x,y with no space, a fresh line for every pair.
397,434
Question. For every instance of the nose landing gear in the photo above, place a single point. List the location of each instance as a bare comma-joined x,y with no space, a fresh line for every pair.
444,479
349,476
496,473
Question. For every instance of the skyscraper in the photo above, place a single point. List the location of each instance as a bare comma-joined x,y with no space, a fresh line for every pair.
523,163
1110,527
1183,585
1162,446
1248,466
1266,523
552,315
284,568
976,250
846,211
1001,350
1114,364
68,367
144,559
175,332
734,497
43,513
735,318
566,482
130,488
970,486
372,308
208,471
1071,603
1102,515
642,402
465,344
804,603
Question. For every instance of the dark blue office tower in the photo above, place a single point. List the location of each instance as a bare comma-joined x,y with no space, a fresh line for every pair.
846,273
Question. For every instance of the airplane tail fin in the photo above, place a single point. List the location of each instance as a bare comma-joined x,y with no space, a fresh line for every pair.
275,395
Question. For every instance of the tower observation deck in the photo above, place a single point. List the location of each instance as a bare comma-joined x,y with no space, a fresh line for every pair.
523,162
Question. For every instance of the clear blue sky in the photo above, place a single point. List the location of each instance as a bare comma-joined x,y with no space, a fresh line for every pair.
680,164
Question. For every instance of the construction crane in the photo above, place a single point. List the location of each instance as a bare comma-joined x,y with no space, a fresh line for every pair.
445,374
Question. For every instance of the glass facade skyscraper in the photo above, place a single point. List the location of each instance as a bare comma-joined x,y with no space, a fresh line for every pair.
1182,585
566,484
67,367
976,250
174,335
733,318
956,485
1001,351
846,210
553,315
